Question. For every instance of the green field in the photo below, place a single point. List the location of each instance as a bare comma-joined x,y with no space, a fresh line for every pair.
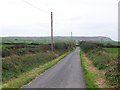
111,43
40,40
113,51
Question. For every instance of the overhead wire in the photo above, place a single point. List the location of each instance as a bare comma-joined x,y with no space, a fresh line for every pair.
38,8
32,5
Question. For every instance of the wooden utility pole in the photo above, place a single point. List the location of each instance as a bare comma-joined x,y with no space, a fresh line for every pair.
71,37
51,31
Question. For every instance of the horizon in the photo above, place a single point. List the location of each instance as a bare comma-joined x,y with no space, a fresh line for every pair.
58,36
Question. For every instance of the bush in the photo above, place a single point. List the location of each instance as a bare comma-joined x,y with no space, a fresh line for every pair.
6,52
99,59
103,61
37,55
16,65
60,46
22,49
88,46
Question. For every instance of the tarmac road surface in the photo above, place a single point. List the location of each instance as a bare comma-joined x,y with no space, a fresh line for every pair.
65,74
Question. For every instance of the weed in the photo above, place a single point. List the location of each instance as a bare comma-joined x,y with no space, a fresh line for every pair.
104,59
89,76
22,79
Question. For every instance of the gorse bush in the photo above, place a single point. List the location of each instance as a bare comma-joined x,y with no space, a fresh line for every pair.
87,46
103,61
22,49
99,61
22,58
113,75
6,52
15,65
63,46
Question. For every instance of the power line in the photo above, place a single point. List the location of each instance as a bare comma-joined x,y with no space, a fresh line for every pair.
51,21
35,6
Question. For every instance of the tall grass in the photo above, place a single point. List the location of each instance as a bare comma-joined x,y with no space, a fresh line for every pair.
103,61
23,58
15,65
9,49
89,76
26,77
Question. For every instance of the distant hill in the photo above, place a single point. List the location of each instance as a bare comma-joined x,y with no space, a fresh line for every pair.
98,39
56,39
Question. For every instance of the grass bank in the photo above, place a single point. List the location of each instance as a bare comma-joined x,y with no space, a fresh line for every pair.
28,76
104,62
21,58
89,76
94,78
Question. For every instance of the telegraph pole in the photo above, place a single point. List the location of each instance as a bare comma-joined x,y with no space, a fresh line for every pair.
51,31
71,37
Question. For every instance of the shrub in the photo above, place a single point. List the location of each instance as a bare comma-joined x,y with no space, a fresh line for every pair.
6,52
99,59
87,46
60,46
26,57
103,61
15,65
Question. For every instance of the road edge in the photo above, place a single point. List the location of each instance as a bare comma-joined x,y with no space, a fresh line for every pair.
34,73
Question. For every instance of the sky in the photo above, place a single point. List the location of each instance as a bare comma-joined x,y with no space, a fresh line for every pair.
81,17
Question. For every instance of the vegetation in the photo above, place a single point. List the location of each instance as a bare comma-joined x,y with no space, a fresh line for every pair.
115,43
47,40
23,58
9,49
89,76
0,46
40,40
103,60
22,79
113,51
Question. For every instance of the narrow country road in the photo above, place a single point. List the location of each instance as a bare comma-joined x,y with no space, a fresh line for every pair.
66,74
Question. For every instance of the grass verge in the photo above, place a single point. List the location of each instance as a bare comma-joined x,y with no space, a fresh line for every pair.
28,76
105,60
89,76
94,78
